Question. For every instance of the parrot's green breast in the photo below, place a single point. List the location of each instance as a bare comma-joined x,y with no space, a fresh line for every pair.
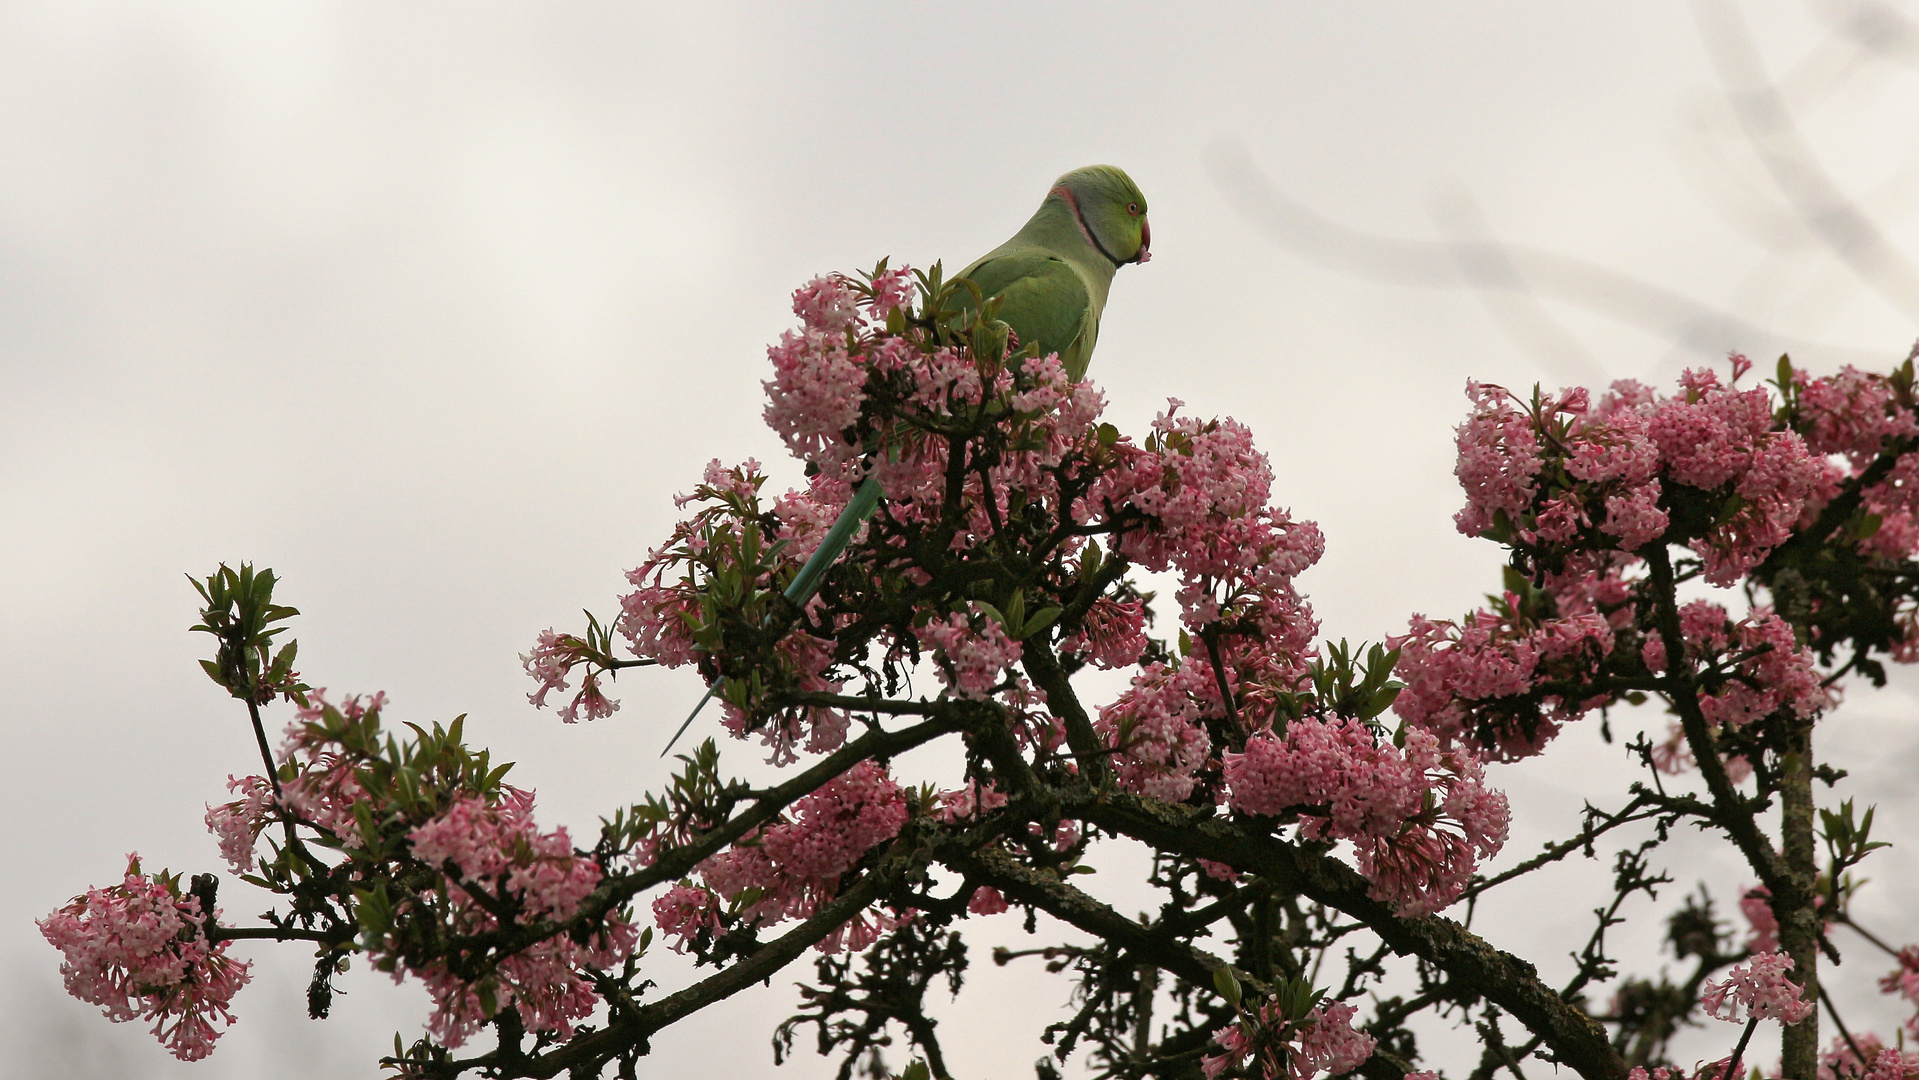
1051,278
1051,285
1045,300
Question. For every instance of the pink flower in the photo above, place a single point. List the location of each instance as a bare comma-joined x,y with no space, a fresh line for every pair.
1204,490
1323,1042
1779,676
986,901
969,802
971,661
495,849
892,289
1851,413
827,304
1154,727
815,395
835,825
796,864
325,789
685,912
1635,518
237,825
1329,1044
1217,871
1904,981
1881,1061
655,619
1112,636
1757,988
1498,459
139,950
551,658
1420,821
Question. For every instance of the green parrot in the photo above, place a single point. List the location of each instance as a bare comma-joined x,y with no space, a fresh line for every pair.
1051,278
1051,281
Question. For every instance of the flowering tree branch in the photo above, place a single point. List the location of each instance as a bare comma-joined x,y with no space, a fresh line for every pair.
1299,798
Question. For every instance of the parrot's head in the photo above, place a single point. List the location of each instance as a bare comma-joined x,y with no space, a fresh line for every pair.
1110,210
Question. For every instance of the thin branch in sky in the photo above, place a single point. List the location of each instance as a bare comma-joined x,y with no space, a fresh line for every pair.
1499,286
1693,327
1769,126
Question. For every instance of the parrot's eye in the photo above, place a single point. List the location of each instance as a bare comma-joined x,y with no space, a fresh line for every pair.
1132,208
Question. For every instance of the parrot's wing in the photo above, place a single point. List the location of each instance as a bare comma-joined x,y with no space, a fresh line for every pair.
1041,297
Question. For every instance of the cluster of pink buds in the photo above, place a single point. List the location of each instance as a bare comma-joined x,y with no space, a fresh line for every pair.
1586,492
1880,1062
794,866
1565,474
1757,989
1904,981
1322,1044
1420,819
140,951
493,853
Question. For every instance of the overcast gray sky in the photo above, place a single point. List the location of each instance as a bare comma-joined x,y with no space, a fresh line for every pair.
433,308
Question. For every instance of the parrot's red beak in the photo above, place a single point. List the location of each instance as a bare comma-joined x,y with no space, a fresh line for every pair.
1145,241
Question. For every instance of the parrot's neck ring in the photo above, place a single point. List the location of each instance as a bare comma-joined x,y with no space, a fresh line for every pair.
1072,202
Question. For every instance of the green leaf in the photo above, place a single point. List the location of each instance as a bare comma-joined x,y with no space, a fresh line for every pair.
1227,984
1041,619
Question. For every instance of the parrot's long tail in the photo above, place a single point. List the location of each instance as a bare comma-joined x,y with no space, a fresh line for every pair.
807,581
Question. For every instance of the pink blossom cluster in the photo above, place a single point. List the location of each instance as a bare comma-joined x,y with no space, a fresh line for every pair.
685,913
237,825
969,802
552,659
661,616
1756,905
796,864
140,951
1421,820
494,849
1904,981
1454,670
1701,1070
804,660
1774,673
972,652
819,380
986,900
1046,419
843,344
1850,414
487,846
1203,490
1882,1062
1757,989
1154,726
1480,676
1112,635
1566,472
325,786
1858,416
829,370
1323,1043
